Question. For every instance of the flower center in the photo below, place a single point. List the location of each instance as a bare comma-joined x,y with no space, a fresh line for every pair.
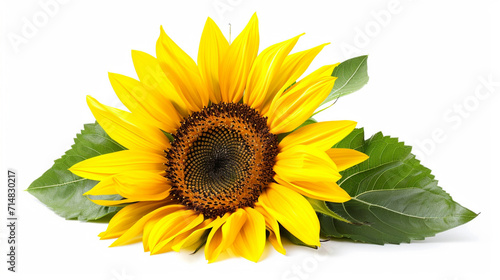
221,159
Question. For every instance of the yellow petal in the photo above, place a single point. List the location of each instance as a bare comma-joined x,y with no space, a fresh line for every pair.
150,73
223,237
127,130
273,227
167,245
322,72
106,186
238,61
328,191
251,240
142,185
166,229
293,212
212,247
310,172
135,232
264,70
146,102
290,71
297,104
127,217
181,71
118,202
232,226
100,167
148,226
345,158
293,67
321,135
136,185
213,46
305,163
189,239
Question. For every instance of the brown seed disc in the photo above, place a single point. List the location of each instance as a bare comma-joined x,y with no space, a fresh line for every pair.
221,159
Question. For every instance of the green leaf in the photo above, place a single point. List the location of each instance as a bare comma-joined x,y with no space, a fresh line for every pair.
351,74
355,140
395,199
62,191
320,207
169,136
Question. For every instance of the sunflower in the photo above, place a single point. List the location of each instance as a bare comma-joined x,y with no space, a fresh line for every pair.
203,162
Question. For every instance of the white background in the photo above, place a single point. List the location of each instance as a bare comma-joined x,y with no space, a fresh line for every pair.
426,61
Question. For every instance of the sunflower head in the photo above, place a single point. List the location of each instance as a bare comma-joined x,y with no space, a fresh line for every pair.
221,159
203,163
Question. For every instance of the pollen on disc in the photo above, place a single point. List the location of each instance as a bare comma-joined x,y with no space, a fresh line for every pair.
221,159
